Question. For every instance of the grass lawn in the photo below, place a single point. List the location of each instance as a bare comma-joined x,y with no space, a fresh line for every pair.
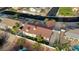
66,11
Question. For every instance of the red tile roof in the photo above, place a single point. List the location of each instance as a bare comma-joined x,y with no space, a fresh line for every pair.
44,32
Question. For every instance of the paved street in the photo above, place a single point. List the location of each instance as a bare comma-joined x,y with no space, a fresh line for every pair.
53,11
58,19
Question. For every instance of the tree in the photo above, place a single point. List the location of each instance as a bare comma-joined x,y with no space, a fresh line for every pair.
36,46
39,38
15,28
21,41
59,46
17,24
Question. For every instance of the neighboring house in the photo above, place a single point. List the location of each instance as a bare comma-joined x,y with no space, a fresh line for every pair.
73,35
8,23
34,30
58,36
50,23
33,10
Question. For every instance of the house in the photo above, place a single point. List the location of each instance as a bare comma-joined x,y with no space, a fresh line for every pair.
50,23
33,10
73,36
8,23
35,30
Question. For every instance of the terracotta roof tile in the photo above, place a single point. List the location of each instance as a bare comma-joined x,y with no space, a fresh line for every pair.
37,30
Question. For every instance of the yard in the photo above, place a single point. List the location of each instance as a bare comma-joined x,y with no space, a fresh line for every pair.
65,11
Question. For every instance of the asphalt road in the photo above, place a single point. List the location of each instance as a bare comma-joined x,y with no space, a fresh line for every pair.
53,11
38,17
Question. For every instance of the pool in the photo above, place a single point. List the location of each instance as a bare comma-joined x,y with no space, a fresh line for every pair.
75,48
23,49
